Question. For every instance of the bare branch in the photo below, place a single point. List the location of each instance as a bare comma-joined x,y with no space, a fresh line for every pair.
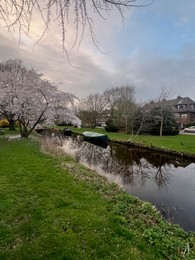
18,14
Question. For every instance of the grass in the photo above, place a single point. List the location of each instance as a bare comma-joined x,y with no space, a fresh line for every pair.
53,208
6,131
180,143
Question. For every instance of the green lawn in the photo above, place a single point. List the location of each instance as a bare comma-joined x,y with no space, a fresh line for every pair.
54,208
179,143
6,131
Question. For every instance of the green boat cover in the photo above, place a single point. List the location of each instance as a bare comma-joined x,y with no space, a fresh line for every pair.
93,135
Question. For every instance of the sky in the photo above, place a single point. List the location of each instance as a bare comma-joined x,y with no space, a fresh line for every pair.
153,48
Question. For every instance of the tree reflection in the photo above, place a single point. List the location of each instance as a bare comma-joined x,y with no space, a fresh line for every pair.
162,177
133,166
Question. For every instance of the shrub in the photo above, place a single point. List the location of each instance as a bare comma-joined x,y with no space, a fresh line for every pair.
4,123
189,124
17,123
110,127
170,131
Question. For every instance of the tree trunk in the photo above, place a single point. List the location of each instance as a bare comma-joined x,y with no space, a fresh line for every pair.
126,127
12,124
23,131
161,125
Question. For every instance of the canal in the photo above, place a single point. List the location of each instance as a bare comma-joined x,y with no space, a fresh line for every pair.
167,181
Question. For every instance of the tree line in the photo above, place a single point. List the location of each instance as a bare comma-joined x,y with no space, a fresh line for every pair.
29,99
118,110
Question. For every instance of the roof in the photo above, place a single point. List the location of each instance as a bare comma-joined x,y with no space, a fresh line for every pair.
171,103
180,101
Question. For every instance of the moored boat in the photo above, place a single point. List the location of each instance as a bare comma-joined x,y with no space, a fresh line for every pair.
95,136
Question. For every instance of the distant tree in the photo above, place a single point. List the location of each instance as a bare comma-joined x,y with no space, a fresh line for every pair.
112,97
18,14
27,98
157,112
91,109
162,104
137,120
121,103
126,105
153,124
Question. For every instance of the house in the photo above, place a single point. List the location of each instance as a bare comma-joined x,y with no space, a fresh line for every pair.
182,107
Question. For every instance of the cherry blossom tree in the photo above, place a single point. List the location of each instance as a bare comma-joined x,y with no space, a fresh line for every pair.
31,100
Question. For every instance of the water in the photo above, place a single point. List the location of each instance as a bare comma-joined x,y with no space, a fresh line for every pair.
168,182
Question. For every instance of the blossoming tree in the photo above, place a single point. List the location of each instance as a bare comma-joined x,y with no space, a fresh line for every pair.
31,100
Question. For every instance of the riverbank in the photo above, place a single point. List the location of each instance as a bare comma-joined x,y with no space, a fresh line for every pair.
54,208
182,145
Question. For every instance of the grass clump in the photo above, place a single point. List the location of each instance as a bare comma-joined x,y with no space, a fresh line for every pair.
53,208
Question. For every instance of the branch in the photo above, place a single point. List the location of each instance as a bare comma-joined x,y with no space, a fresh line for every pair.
17,14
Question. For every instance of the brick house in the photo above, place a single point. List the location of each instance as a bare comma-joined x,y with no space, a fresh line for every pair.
182,107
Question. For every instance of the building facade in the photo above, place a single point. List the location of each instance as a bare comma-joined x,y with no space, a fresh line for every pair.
182,107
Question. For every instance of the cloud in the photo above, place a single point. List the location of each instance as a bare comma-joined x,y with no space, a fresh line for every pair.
154,48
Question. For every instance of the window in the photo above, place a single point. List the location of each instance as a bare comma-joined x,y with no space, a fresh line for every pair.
184,115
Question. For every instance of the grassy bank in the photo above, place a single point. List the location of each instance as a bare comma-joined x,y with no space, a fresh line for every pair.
179,143
54,208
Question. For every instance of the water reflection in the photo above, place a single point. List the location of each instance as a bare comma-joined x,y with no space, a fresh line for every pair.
148,175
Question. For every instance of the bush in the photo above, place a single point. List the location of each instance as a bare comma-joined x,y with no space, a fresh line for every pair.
110,127
17,123
171,131
4,123
189,124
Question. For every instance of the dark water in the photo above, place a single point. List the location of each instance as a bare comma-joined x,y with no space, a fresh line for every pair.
167,182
